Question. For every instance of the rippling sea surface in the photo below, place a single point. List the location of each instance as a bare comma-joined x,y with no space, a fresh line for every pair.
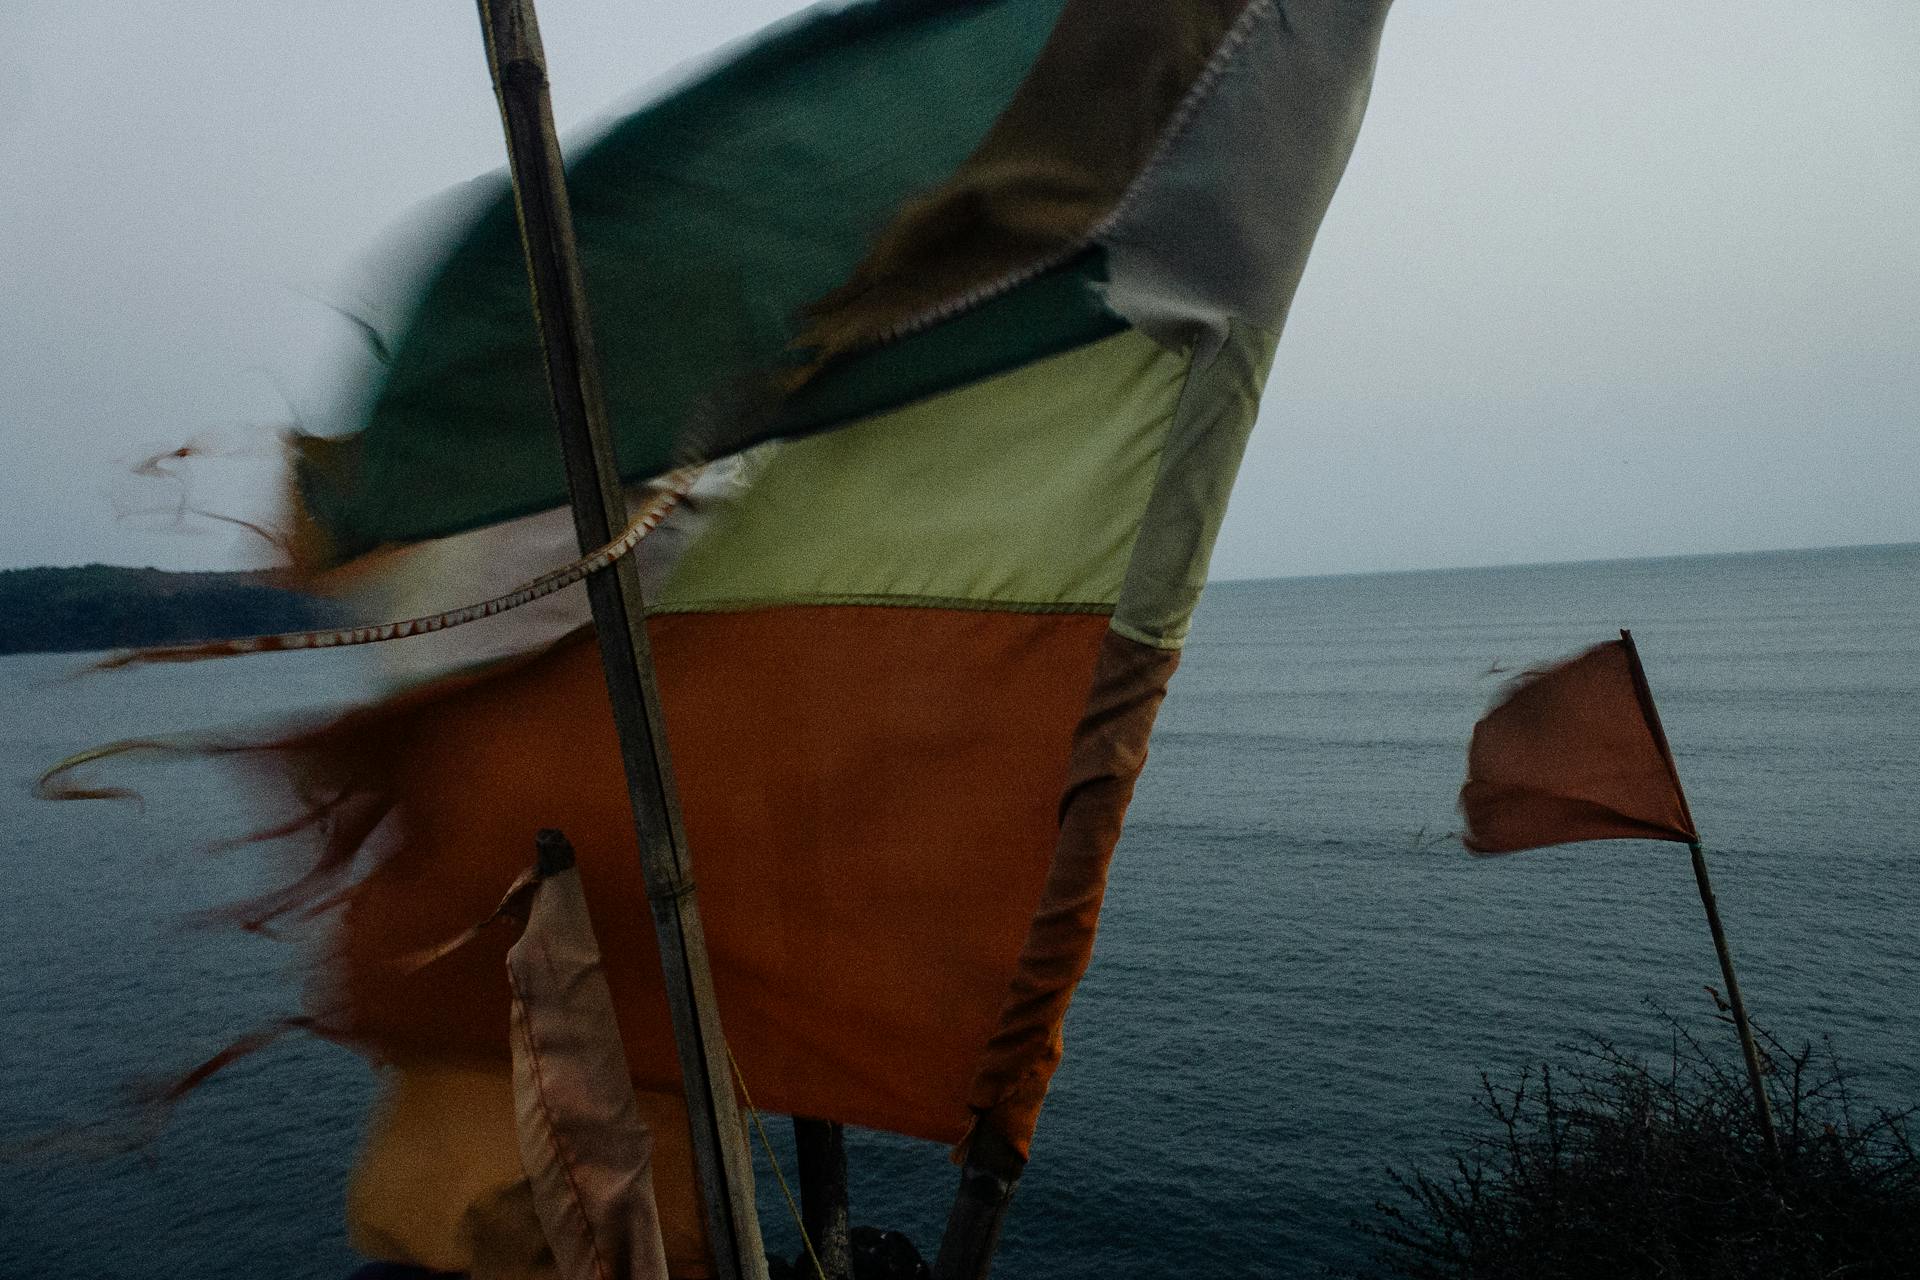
1299,978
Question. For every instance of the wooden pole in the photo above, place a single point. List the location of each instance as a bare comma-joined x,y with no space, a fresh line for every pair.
820,1149
721,1158
987,1183
1762,1109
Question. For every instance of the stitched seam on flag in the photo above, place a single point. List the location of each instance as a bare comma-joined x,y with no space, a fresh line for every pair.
674,488
1230,45
1116,624
1174,640
1171,643
576,1200
1100,608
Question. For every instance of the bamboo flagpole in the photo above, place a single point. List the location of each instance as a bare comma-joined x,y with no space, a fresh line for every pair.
988,1180
1763,1110
721,1157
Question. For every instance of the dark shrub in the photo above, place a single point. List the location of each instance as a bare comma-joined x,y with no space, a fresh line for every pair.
1614,1168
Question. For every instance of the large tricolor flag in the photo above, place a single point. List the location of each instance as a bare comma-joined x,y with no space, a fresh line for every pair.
963,308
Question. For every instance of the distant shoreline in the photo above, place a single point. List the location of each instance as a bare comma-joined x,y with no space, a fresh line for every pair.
91,607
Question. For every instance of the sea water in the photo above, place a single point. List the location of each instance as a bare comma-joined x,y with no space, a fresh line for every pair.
1300,975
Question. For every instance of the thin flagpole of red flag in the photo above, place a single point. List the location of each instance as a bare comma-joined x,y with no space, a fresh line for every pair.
1576,751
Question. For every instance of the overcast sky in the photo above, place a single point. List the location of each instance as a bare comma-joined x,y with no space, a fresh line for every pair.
1602,280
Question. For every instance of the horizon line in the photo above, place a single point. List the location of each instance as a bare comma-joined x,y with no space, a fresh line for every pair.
1224,581
1561,564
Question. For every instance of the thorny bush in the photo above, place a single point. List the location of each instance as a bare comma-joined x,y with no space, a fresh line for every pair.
1614,1168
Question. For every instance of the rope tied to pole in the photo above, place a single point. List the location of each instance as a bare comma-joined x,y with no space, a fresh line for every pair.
679,891
52,785
673,488
793,1208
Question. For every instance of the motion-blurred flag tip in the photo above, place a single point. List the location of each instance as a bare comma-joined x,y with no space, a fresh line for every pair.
1573,752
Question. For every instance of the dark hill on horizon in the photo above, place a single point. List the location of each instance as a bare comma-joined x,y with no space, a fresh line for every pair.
99,606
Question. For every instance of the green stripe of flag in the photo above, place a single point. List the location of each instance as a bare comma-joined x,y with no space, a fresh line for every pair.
707,223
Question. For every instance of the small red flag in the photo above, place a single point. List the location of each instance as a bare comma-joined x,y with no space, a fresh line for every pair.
1574,752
